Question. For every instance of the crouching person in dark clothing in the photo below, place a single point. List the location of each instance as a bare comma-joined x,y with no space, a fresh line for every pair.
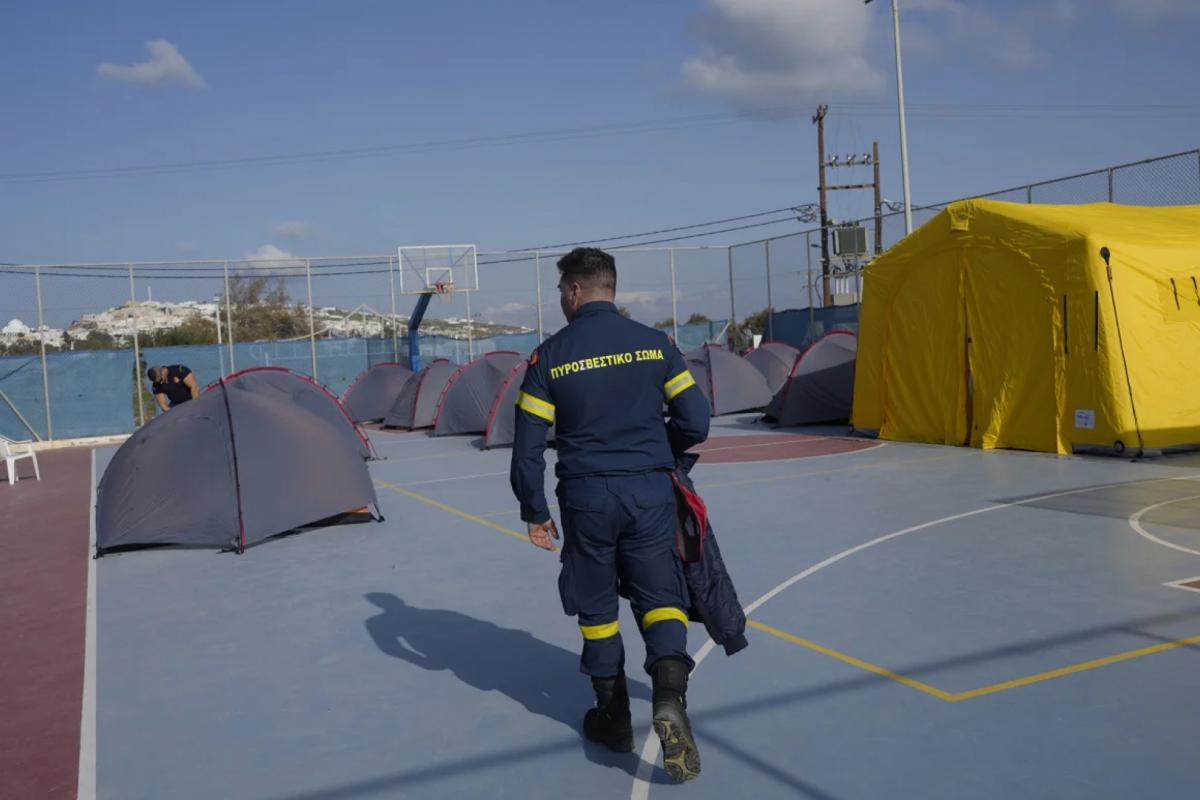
172,385
602,382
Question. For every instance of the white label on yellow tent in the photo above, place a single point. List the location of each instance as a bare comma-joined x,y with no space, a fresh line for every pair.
1085,419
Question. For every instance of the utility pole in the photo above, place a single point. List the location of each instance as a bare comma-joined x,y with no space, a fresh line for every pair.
853,160
819,121
878,203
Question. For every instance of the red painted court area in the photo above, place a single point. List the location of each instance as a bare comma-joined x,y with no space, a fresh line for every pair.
776,447
43,571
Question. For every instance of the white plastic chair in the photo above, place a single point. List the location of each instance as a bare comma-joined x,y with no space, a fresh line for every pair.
12,452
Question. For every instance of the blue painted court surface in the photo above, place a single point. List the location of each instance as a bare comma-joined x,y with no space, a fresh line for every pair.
1014,637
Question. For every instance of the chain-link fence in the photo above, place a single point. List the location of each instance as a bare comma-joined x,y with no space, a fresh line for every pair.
79,338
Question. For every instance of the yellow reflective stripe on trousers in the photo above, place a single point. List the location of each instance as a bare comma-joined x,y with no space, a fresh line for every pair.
592,632
663,614
536,406
677,384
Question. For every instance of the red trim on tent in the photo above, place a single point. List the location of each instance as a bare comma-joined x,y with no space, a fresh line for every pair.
357,430
512,375
364,373
437,412
237,480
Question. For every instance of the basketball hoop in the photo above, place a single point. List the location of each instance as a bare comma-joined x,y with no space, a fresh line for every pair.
444,290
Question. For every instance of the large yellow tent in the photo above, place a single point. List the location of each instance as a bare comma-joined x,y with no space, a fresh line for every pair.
1001,325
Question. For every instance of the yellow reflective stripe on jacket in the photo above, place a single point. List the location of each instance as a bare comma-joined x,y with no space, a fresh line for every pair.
536,406
663,614
593,632
677,384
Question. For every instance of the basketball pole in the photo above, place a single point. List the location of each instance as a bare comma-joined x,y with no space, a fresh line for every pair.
414,322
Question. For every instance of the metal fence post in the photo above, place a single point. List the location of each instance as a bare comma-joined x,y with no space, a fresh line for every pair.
229,319
470,332
220,342
37,278
1029,194
392,290
732,305
312,326
1110,184
808,285
770,305
674,300
137,358
537,271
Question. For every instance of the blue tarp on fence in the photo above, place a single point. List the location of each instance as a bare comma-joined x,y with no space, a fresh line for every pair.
801,327
92,391
91,394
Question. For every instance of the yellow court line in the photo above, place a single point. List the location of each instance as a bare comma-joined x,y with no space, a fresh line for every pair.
949,697
955,697
1074,668
857,662
452,510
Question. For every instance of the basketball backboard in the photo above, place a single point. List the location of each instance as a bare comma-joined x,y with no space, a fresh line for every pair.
438,268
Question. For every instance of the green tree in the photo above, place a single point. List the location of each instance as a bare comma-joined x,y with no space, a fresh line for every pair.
696,318
669,322
624,312
261,309
95,340
194,330
23,346
756,323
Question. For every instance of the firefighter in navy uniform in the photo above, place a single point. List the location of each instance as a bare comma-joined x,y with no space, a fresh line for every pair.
602,382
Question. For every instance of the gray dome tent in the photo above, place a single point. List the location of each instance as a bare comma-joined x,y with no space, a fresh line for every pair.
821,386
245,461
730,382
775,361
418,400
466,402
372,394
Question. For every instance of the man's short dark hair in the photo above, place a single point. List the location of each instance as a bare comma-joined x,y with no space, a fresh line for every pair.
590,267
150,373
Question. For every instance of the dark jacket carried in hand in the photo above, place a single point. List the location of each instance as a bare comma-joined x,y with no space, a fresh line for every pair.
714,600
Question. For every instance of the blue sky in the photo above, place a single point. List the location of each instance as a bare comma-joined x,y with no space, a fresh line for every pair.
230,80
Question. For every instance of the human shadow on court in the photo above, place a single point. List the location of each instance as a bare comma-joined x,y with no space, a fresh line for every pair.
542,677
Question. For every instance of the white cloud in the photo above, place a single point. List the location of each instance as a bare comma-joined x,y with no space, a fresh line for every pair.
1155,10
269,257
292,229
934,25
773,57
166,67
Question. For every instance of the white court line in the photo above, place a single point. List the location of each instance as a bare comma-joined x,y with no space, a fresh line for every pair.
794,440
456,478
1179,584
1135,523
650,750
87,723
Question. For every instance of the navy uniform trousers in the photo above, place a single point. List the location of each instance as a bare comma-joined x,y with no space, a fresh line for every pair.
622,529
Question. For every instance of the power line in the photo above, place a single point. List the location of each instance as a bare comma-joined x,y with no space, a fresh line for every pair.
653,233
529,137
655,241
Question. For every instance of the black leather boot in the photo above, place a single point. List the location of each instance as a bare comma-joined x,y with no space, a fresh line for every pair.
609,722
681,758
